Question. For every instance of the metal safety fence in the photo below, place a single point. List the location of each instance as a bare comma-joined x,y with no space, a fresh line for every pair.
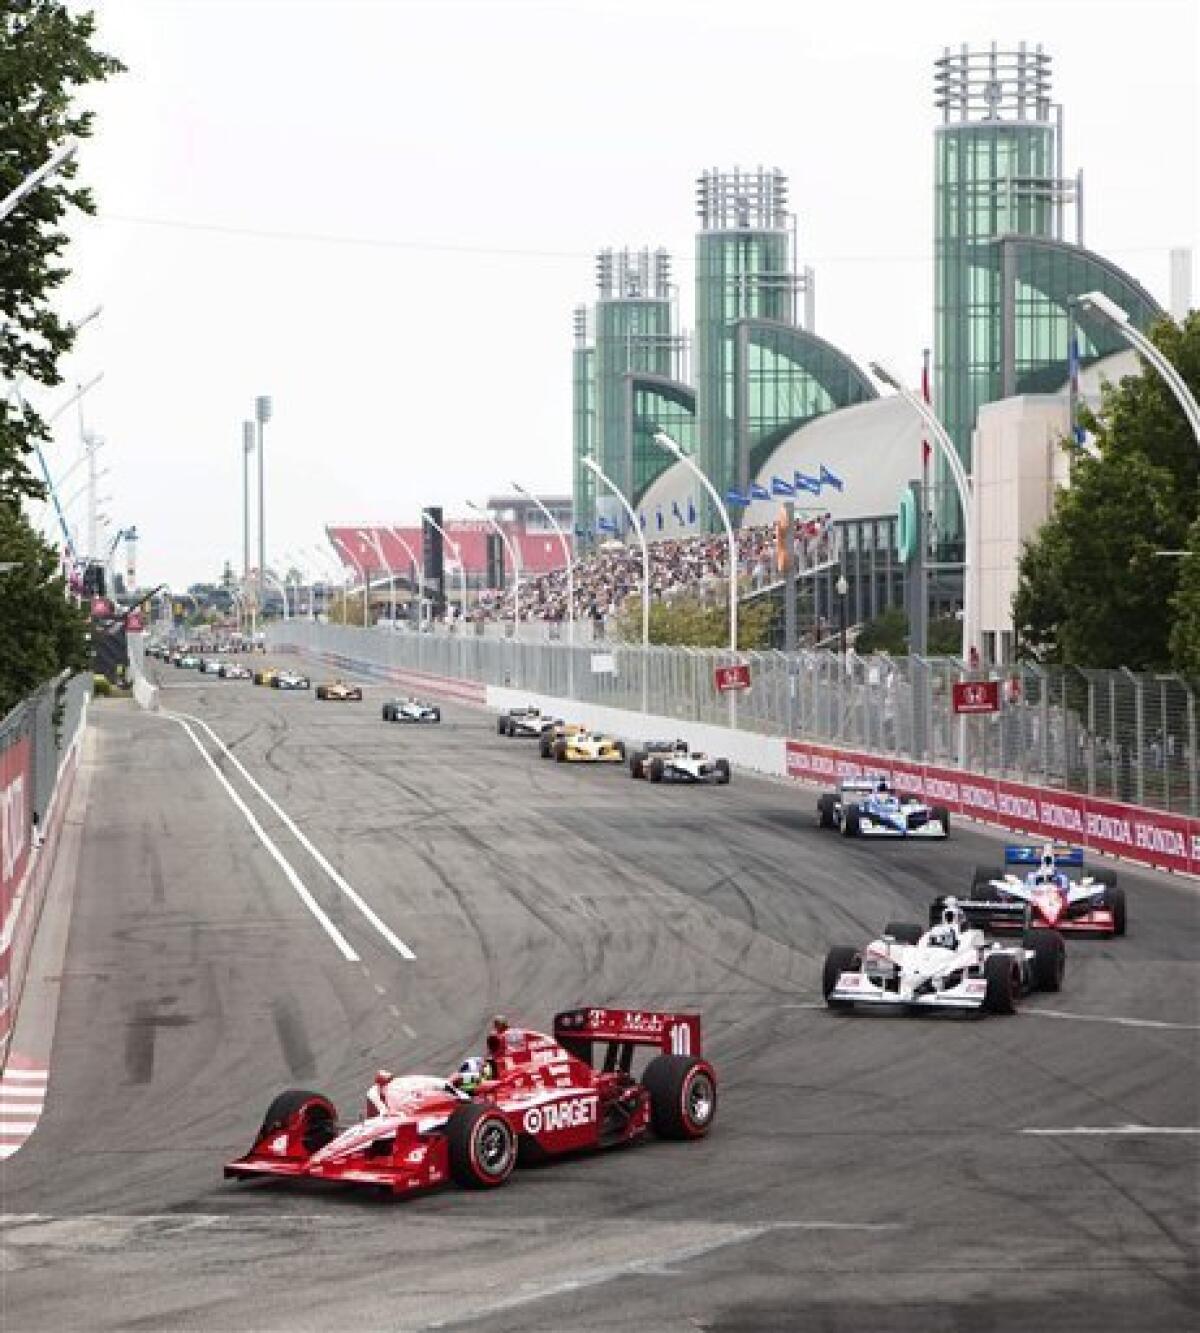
1125,735
49,717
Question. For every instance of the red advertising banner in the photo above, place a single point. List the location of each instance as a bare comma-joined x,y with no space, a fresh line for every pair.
133,622
1153,837
727,678
16,819
976,696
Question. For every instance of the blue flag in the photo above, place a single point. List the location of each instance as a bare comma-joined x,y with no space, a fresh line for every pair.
1077,431
642,518
736,498
691,512
758,492
830,479
675,509
658,517
805,483
782,488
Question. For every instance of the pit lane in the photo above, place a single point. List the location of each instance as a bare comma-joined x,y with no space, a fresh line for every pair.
864,1170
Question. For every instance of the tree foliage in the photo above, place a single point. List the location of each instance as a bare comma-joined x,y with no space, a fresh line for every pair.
888,633
1185,633
690,623
1092,591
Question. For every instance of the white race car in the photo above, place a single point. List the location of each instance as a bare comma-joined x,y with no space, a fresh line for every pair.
675,761
235,671
952,965
291,680
410,710
210,666
869,807
529,721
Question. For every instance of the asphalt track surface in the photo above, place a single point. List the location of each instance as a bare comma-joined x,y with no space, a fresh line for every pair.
865,1172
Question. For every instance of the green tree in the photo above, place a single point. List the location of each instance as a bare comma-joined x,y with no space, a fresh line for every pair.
42,631
888,633
46,58
1091,589
1185,634
690,623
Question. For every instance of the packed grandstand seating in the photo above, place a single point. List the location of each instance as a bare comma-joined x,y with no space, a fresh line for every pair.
685,566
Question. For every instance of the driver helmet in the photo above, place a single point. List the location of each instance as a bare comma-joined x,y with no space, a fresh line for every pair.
471,1073
945,934
1045,872
882,787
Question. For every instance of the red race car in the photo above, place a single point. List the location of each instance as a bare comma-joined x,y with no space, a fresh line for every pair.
531,1096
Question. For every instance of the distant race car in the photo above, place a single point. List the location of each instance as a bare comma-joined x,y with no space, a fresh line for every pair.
235,671
676,761
952,965
291,680
410,710
558,731
869,807
1038,880
529,721
589,747
210,666
531,1097
188,662
338,690
266,676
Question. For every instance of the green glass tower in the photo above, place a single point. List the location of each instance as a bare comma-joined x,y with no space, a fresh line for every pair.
583,428
744,270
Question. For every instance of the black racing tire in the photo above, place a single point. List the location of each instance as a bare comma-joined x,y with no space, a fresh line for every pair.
560,752
387,712
1002,973
321,692
437,714
851,821
1106,877
903,932
981,882
942,815
320,1117
838,960
636,761
683,1096
502,726
656,769
482,1147
545,745
936,908
620,748
826,805
722,769
1049,957
1114,900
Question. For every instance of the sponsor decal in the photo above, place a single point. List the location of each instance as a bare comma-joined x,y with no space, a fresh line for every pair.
1057,816
14,831
568,1114
278,1144
976,797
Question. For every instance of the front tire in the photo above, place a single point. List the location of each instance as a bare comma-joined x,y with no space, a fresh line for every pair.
942,815
1003,978
1115,900
560,752
903,932
722,767
636,763
981,883
826,806
656,770
482,1147
502,726
318,1115
683,1096
838,960
851,822
1049,958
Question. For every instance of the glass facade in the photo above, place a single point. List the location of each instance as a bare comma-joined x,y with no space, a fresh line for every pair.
632,337
583,431
657,404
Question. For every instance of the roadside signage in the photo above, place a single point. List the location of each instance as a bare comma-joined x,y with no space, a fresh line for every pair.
977,696
727,678
133,622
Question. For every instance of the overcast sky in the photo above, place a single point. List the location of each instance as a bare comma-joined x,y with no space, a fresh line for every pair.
382,214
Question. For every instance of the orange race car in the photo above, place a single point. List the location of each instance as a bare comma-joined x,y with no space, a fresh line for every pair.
339,690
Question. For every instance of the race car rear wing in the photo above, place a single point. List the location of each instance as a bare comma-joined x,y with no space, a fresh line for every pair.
623,1029
859,785
1032,856
1008,911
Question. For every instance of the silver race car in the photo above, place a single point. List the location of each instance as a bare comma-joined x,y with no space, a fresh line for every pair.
952,966
410,710
291,680
529,721
676,761
869,807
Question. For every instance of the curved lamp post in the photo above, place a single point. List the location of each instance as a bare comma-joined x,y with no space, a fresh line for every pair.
512,555
362,571
962,484
568,556
372,537
419,567
1119,318
457,549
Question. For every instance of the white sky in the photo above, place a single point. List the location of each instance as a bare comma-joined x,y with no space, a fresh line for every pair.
488,148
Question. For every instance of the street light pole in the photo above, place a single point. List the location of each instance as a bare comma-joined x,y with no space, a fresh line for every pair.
594,468
457,549
1119,318
372,537
568,557
420,568
262,414
55,162
962,484
664,441
512,555
362,574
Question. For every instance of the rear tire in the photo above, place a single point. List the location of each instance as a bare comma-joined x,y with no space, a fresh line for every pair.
1003,977
620,749
437,714
838,960
1049,958
560,752
387,713
942,815
482,1147
981,883
502,726
683,1096
635,764
851,823
1115,901
722,767
544,746
656,770
825,807
903,932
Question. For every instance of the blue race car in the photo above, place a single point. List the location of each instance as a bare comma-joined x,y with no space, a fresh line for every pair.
869,807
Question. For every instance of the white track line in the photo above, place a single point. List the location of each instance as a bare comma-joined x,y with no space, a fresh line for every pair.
305,895
355,897
1122,1130
1106,1018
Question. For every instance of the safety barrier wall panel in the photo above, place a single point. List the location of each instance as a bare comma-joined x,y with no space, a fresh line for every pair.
16,819
464,691
1152,837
